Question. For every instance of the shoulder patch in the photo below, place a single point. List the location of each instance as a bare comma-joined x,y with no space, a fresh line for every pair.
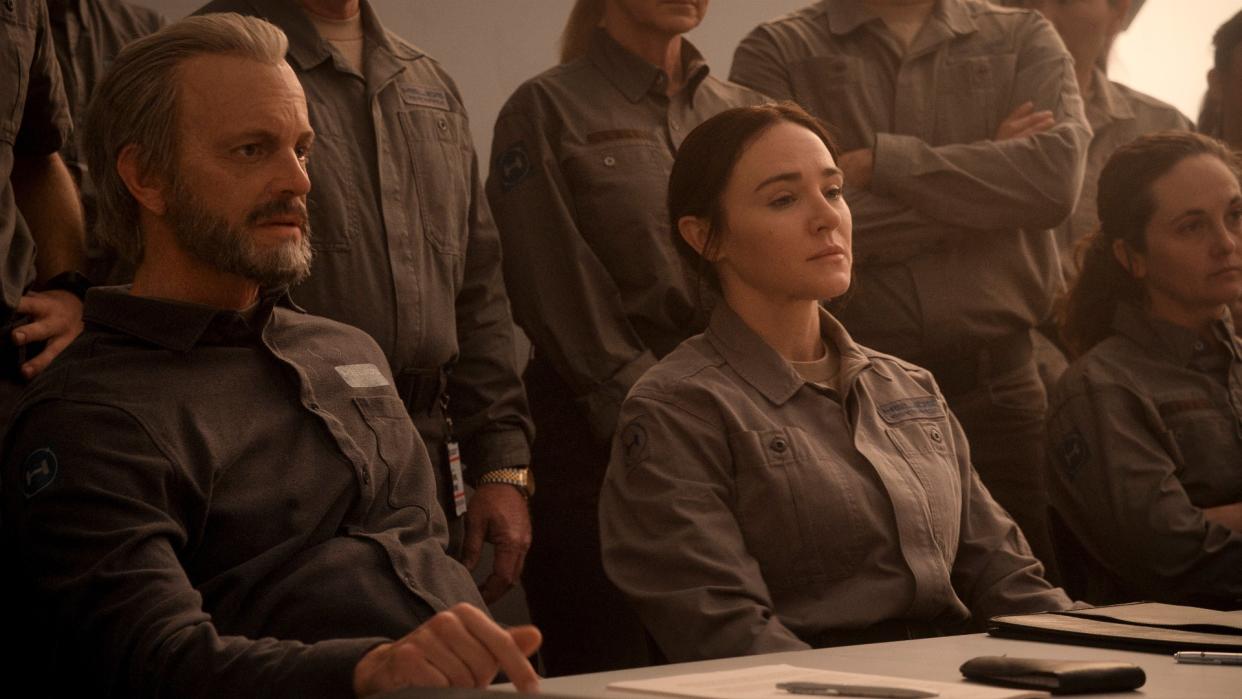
911,409
1073,453
634,441
38,471
514,166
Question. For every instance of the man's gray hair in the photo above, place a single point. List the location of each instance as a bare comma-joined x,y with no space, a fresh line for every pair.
136,102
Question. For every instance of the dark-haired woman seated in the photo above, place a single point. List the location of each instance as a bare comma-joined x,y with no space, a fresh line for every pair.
1145,465
773,485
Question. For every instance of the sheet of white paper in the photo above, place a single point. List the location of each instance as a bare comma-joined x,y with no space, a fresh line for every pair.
760,683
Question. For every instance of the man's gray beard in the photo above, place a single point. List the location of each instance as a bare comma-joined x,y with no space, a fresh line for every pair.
212,240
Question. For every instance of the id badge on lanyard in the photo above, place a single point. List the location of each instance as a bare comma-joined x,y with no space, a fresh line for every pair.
459,480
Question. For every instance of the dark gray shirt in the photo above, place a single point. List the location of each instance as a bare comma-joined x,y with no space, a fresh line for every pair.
748,511
34,121
952,240
1144,432
88,35
199,504
405,244
579,180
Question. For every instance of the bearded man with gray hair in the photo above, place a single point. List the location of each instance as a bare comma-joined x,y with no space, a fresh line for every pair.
211,492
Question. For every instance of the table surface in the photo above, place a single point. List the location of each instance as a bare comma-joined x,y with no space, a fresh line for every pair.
935,659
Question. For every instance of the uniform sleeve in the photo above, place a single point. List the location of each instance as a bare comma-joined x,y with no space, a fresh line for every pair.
1114,485
994,571
100,527
487,398
563,296
672,544
757,64
1031,182
45,122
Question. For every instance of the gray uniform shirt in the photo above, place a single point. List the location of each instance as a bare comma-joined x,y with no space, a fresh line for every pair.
34,121
579,180
405,244
199,505
748,511
952,239
89,34
1118,115
1145,431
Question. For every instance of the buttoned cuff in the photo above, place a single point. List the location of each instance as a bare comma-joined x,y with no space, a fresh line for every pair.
603,405
327,668
491,451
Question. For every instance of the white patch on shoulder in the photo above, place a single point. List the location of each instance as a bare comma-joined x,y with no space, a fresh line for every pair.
362,375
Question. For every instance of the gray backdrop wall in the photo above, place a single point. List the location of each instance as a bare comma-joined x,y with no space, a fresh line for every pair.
492,46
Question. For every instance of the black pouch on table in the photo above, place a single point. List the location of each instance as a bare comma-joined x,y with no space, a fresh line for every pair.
1055,676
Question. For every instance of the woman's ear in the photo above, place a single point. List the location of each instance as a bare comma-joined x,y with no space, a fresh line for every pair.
147,189
696,231
1130,260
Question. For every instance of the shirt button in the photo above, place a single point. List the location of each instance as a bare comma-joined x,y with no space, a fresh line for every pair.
779,445
609,161
409,580
313,405
442,123
935,435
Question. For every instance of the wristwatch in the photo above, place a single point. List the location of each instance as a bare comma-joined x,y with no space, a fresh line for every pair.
520,478
75,283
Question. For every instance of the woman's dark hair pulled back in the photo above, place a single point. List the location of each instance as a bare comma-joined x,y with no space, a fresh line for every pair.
1125,204
705,162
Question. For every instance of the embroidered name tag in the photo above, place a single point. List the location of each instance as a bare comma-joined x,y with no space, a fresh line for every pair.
1175,407
425,97
911,408
620,135
362,375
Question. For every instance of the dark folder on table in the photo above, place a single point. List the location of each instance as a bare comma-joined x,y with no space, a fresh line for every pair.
1141,626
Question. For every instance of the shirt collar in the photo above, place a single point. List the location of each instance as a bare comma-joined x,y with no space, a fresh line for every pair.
844,16
1106,103
1179,344
176,325
763,367
635,77
306,48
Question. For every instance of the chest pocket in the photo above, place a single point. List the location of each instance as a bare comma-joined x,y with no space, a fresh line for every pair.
333,199
398,448
968,96
439,157
798,513
16,55
619,188
839,89
919,430
1208,452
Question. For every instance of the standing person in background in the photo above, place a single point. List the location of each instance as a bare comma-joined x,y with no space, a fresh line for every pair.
407,251
578,181
41,230
88,36
964,141
1221,115
1143,434
1117,114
